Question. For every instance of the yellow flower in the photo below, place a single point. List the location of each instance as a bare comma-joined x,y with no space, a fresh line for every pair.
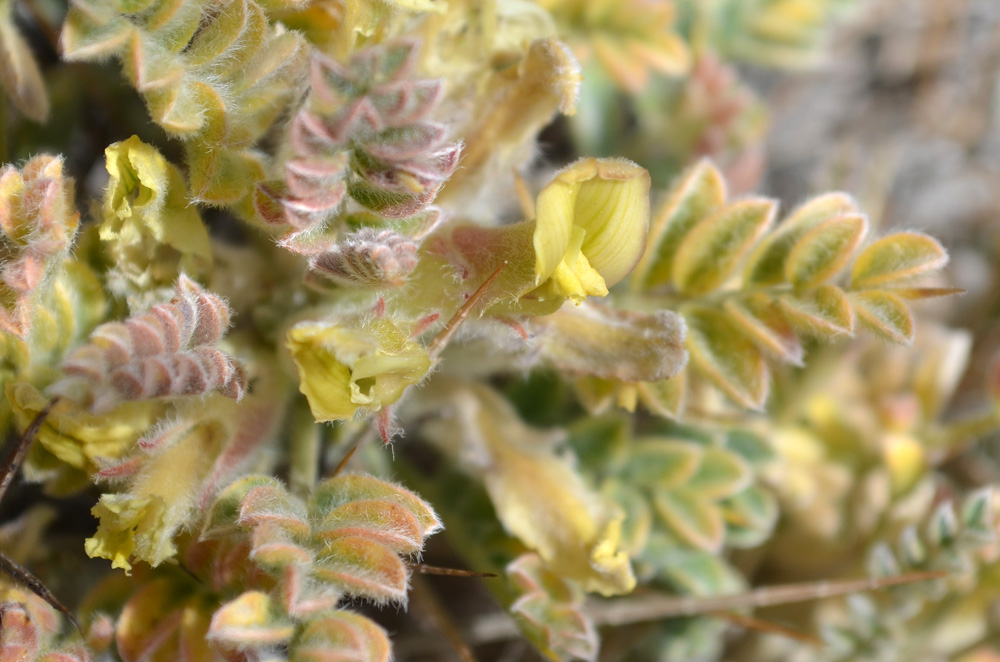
590,228
355,365
152,230
124,519
145,186
142,522
588,234
538,494
76,437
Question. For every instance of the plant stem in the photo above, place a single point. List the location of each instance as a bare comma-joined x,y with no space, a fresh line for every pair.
304,469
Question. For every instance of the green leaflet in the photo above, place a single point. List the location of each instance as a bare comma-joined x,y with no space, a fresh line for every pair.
885,315
601,441
767,263
353,565
750,516
898,257
761,319
224,516
715,247
251,619
720,474
695,195
824,312
332,495
696,521
345,634
979,512
638,522
664,464
824,250
727,357
696,572
666,397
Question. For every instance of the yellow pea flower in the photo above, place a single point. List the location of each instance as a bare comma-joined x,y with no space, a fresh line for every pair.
354,365
590,228
142,522
538,494
151,229
77,437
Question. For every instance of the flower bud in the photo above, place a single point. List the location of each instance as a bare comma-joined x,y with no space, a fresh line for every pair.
38,221
369,258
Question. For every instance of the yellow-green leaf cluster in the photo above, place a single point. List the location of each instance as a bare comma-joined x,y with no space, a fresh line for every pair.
699,497
348,540
214,77
629,39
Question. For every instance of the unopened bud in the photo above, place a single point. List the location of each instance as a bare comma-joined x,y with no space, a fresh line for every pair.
369,258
